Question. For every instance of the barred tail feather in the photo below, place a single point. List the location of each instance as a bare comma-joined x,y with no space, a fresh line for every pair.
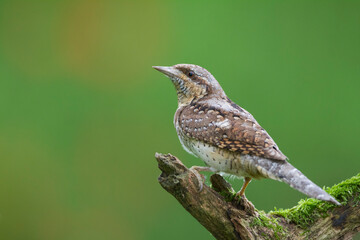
285,172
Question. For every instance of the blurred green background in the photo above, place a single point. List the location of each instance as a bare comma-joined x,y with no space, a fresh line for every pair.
82,112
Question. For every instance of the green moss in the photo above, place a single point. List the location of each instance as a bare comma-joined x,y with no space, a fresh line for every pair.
309,210
269,222
228,194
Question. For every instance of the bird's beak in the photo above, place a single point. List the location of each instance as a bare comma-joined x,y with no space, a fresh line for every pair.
168,71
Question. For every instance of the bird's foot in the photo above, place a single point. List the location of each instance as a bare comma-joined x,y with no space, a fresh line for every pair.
200,178
239,196
241,193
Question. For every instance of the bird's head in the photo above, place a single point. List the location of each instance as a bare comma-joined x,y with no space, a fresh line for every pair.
191,82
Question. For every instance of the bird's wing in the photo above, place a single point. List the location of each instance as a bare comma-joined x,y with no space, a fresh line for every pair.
236,131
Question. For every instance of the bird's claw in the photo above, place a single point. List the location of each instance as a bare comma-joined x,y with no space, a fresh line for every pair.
238,198
199,177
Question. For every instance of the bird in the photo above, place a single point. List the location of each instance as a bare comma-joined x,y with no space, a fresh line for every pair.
226,137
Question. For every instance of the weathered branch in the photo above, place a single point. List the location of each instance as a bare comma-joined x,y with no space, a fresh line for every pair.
228,218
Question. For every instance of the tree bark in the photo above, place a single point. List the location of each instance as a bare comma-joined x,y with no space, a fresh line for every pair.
226,217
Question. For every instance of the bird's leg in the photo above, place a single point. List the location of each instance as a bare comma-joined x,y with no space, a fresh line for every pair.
239,194
196,170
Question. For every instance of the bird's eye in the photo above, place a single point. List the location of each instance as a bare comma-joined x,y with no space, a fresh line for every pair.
191,73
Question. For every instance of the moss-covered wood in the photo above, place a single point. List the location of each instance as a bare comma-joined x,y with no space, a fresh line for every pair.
226,217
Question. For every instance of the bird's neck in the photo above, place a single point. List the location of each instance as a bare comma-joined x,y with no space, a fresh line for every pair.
184,100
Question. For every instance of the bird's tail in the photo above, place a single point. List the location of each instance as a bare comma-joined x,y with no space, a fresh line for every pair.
285,172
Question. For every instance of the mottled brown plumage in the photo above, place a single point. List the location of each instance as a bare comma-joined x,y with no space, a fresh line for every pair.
227,137
234,130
